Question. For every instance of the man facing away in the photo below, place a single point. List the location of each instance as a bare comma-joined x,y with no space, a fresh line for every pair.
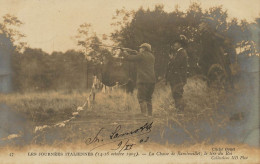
176,73
144,60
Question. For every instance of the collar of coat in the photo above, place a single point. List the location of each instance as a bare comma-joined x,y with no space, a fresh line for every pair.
179,49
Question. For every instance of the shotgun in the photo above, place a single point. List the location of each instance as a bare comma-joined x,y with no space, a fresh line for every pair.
121,48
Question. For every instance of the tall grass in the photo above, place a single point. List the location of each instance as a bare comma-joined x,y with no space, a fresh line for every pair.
44,106
199,100
201,104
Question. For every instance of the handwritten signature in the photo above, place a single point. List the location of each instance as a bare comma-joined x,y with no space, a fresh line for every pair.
122,139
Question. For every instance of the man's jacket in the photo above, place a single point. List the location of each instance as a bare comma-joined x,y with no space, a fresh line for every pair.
145,66
177,67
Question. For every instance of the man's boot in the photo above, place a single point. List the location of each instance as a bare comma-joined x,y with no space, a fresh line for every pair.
150,109
143,107
179,105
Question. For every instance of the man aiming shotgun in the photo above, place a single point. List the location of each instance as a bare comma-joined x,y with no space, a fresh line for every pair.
144,60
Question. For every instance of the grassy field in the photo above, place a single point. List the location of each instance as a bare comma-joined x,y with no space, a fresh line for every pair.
206,113
47,105
44,106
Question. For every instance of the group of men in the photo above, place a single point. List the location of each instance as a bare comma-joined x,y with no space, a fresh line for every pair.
176,74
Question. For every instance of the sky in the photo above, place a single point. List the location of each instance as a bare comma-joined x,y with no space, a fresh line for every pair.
52,24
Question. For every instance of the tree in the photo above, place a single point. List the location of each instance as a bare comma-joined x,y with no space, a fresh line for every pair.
9,27
7,38
90,45
160,29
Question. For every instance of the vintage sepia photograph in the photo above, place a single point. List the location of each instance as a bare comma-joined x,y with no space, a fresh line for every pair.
129,81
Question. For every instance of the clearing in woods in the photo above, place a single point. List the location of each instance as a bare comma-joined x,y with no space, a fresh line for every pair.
51,117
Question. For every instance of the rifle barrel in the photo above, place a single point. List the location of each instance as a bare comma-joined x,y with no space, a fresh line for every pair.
127,49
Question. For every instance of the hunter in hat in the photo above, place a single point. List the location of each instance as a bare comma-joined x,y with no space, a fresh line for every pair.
176,73
144,60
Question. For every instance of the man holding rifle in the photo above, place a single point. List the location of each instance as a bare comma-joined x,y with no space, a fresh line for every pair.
144,60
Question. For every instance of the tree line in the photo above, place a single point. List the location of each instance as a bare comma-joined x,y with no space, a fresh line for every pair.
34,69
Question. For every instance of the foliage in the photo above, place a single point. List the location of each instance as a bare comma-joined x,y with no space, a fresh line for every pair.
9,27
35,69
160,29
90,43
